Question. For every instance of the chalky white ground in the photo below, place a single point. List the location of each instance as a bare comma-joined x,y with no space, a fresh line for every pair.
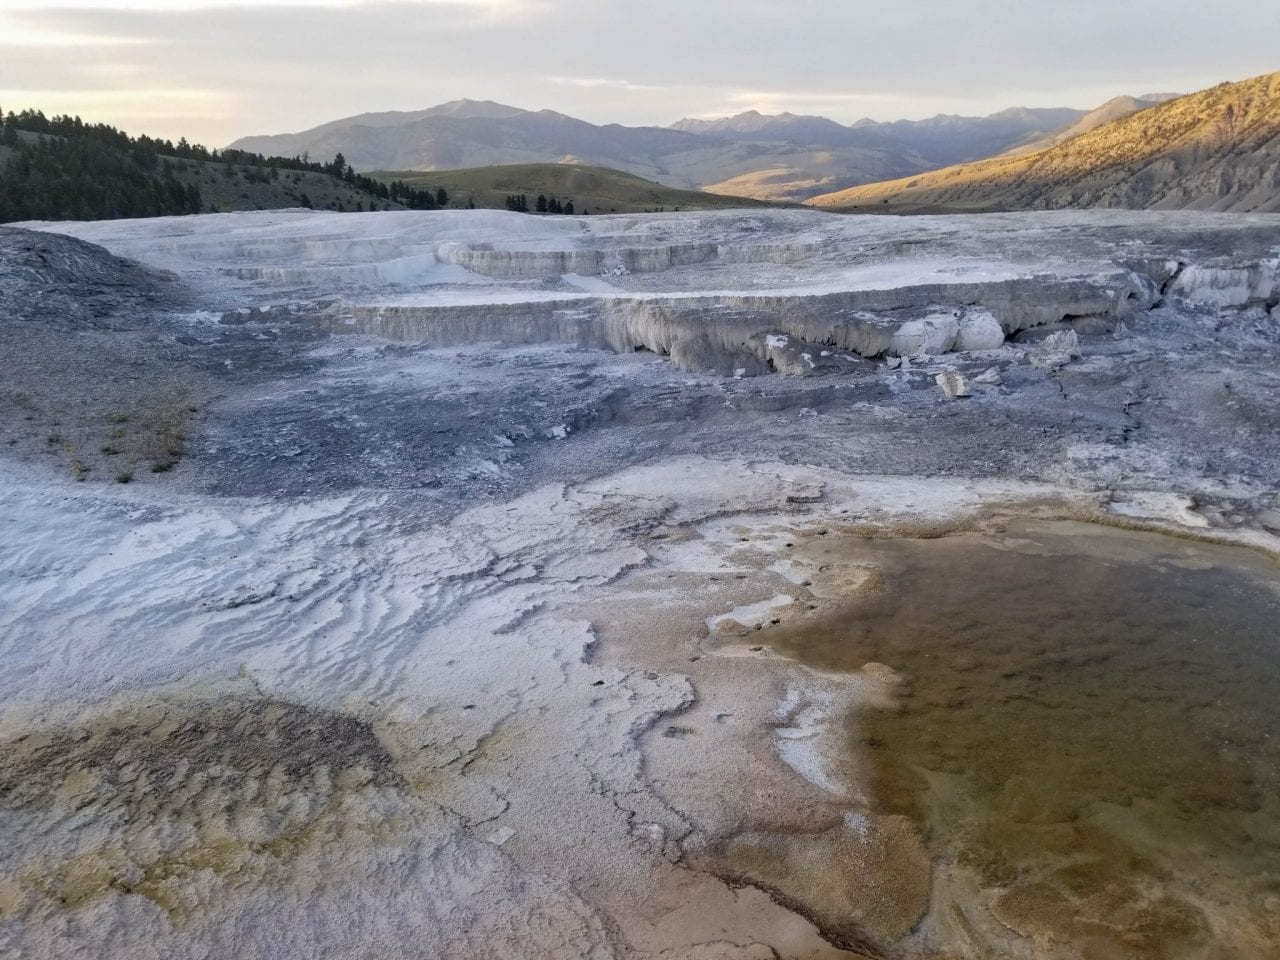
558,738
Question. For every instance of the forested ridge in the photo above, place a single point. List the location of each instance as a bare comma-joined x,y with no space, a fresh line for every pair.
61,168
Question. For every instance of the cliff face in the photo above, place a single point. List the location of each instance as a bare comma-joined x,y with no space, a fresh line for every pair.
1214,150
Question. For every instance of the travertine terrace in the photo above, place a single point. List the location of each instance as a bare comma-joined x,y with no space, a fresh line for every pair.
448,632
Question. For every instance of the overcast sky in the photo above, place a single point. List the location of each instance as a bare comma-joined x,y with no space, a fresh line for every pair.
214,70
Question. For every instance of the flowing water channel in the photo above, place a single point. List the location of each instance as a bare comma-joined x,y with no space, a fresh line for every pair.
1087,735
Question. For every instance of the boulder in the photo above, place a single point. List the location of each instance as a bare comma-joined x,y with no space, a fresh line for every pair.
927,336
979,330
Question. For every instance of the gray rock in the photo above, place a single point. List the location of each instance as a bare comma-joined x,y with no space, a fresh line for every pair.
953,384
1056,350
989,376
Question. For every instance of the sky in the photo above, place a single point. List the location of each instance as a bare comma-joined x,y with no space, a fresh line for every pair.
215,70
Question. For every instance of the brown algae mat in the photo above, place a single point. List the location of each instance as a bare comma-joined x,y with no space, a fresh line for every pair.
1087,735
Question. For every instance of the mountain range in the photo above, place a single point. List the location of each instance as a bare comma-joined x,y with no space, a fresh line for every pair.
1218,149
784,157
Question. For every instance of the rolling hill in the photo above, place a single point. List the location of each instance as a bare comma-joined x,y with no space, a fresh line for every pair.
1214,150
592,189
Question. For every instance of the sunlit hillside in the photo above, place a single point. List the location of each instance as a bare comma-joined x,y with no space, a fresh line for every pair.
1214,150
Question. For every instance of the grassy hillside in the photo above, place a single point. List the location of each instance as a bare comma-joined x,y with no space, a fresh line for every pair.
1214,150
1114,109
592,189
230,186
820,174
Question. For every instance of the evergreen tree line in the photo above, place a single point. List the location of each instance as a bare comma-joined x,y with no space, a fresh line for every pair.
553,205
519,203
75,170
56,179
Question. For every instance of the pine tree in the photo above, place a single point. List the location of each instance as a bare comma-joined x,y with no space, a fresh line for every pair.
541,206
442,198
568,207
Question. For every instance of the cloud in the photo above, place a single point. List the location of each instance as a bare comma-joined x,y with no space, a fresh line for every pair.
136,104
17,31
595,83
179,6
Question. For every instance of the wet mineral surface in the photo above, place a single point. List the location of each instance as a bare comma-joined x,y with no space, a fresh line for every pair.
1084,732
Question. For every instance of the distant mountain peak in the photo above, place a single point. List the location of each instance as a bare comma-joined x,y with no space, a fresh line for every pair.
752,124
474,109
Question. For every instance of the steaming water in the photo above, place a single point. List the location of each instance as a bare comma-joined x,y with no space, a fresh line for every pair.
1087,735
